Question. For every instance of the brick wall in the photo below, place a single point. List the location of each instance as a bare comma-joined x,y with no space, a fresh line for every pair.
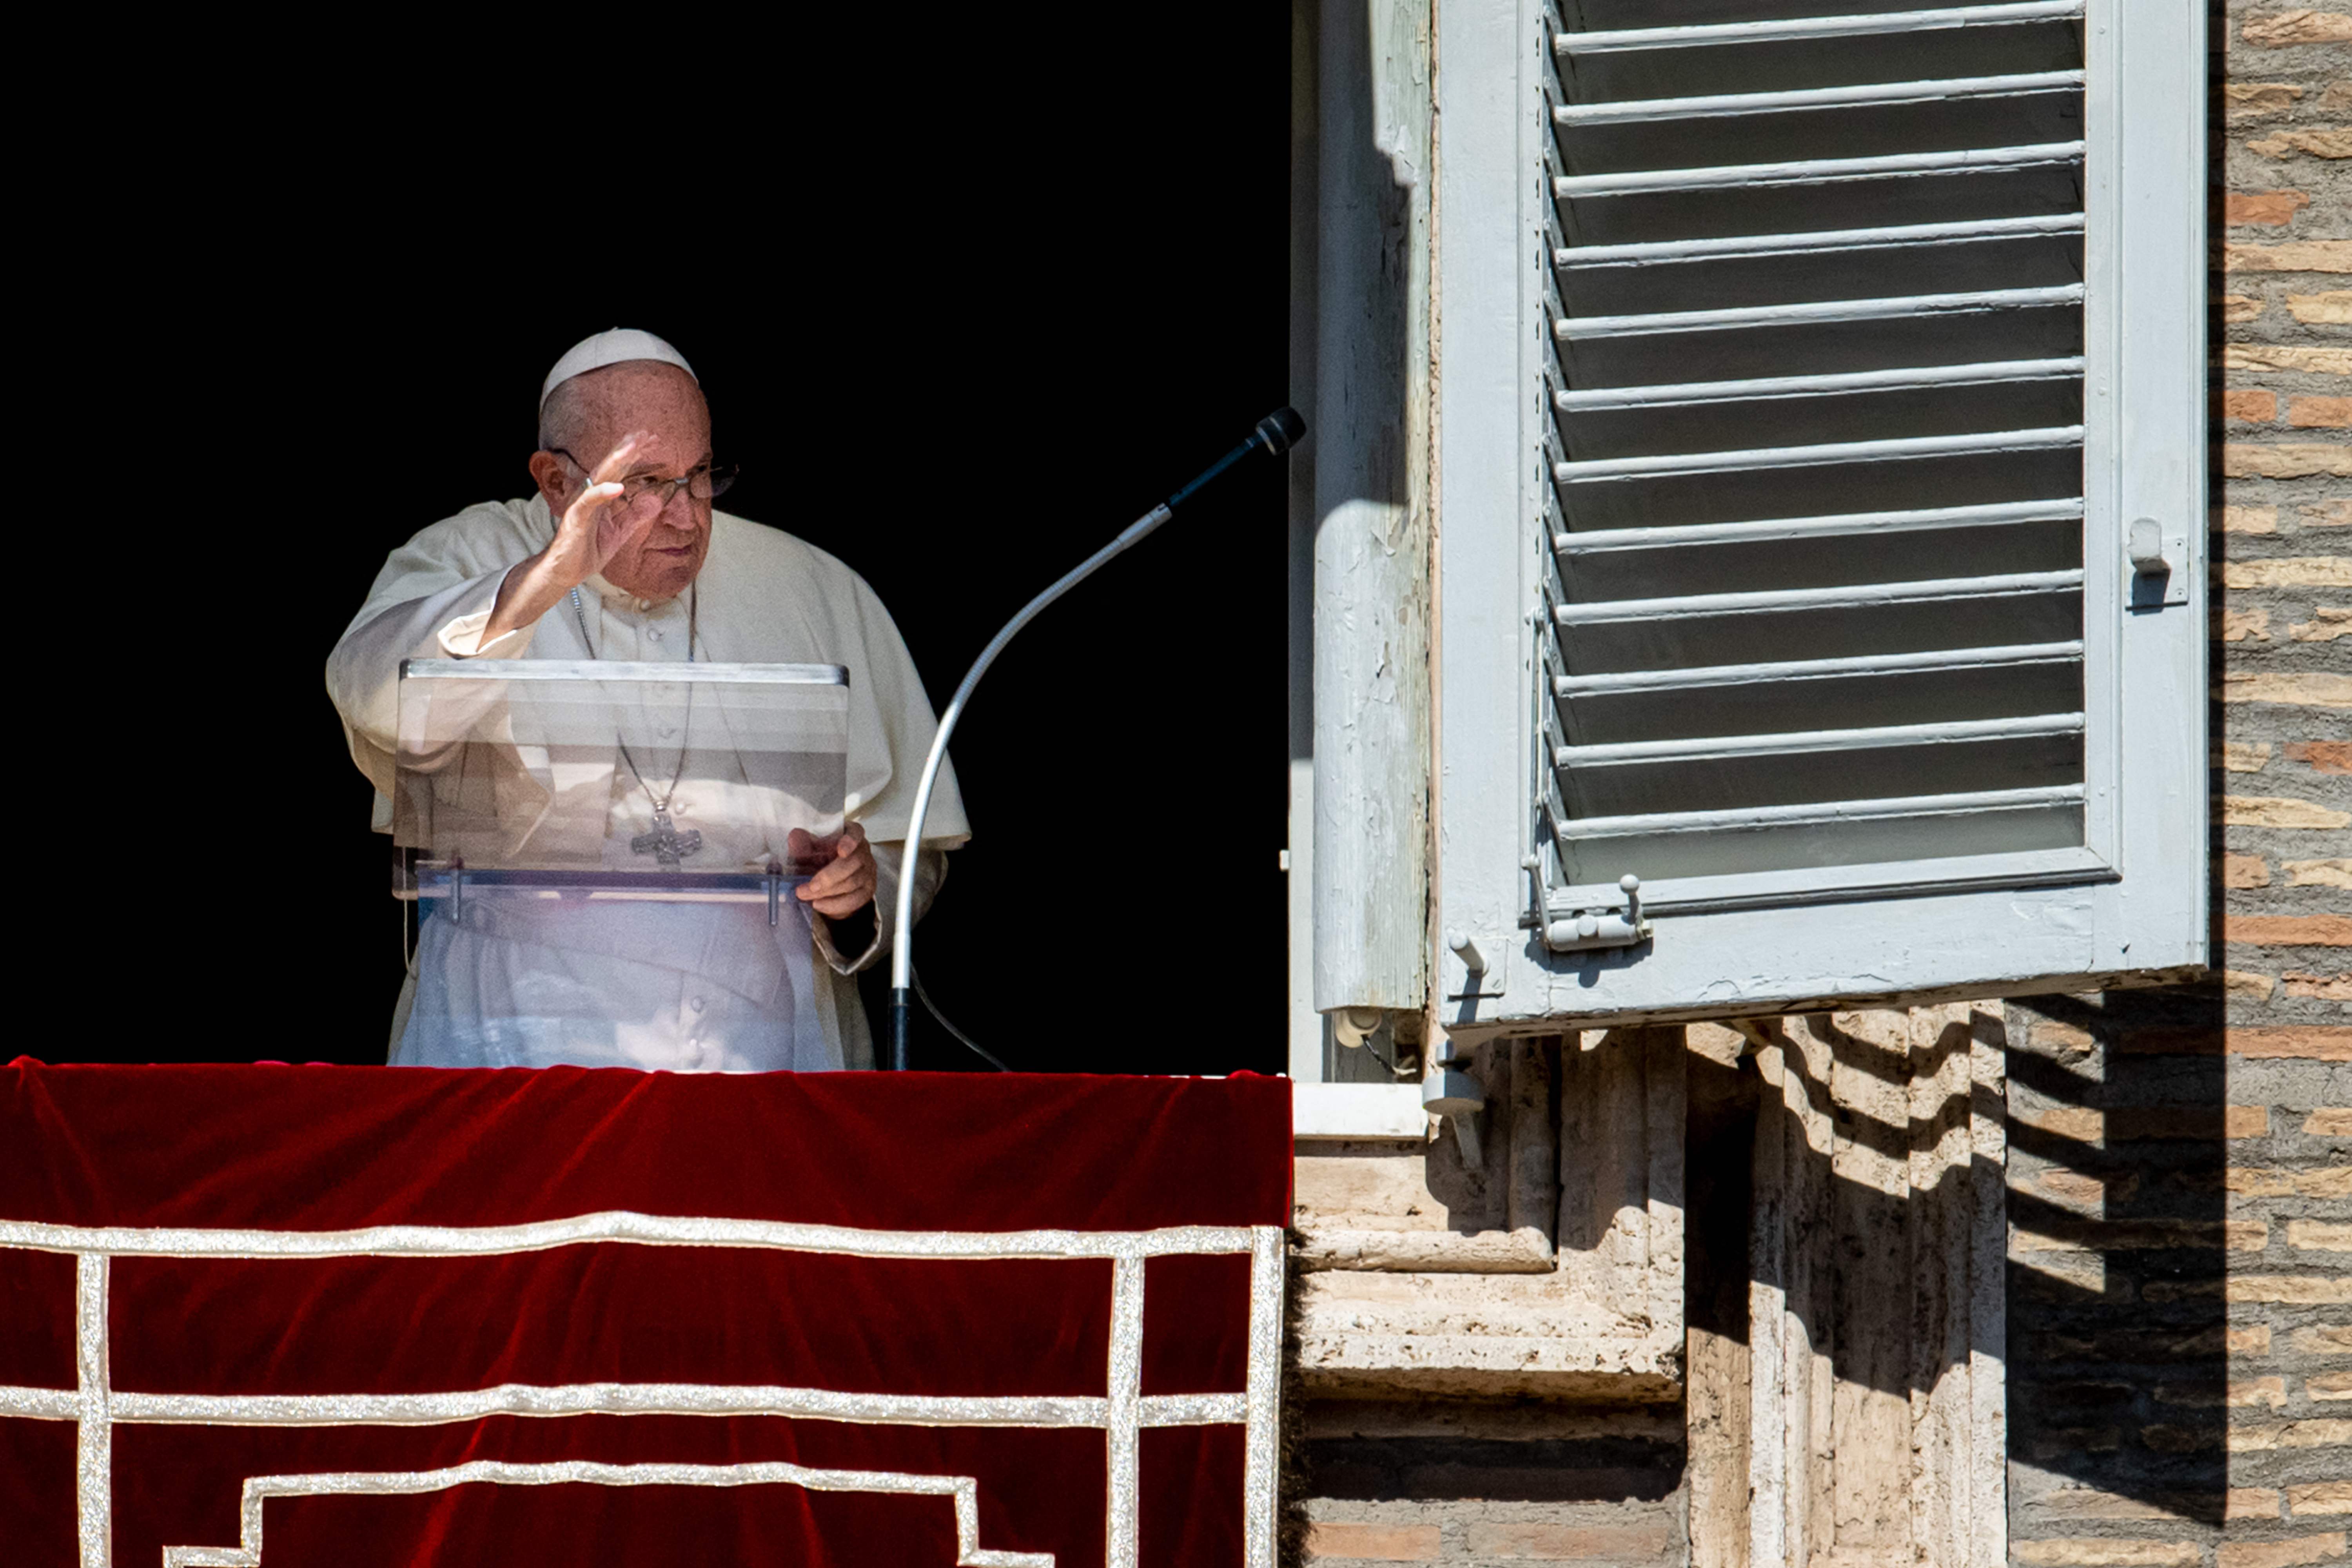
2180,1371
1509,1483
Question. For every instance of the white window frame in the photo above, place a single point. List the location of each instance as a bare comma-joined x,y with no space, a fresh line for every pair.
2131,903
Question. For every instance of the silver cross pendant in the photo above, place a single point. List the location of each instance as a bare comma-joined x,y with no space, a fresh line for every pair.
666,844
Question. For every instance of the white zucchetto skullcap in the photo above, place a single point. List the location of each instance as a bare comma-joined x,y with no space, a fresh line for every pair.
618,346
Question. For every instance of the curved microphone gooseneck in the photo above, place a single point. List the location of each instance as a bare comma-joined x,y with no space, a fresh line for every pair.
1276,434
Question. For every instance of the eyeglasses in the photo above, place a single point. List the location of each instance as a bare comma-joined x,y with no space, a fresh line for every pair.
705,483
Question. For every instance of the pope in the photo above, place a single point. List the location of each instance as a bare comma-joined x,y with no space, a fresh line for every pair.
620,554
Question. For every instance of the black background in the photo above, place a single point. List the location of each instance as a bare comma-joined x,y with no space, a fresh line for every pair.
965,303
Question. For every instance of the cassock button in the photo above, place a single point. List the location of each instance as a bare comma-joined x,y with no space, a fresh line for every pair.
654,632
696,1004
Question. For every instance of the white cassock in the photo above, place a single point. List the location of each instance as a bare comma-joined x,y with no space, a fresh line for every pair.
680,986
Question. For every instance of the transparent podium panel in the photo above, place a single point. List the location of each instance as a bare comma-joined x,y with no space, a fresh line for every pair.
605,858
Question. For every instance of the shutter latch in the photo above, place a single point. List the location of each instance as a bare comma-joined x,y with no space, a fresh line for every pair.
2160,560
1604,927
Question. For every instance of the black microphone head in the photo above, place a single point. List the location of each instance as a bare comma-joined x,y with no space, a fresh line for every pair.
1281,430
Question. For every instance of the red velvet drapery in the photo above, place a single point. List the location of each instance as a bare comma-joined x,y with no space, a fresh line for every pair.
210,1361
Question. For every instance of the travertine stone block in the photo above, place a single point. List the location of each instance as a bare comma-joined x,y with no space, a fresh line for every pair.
1553,1269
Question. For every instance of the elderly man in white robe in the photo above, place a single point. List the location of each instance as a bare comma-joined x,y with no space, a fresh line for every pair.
620,555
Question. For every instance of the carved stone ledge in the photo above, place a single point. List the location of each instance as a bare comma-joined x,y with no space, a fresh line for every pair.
1364,1334
1553,1269
1525,1251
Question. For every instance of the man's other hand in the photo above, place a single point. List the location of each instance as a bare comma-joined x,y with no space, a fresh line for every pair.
845,882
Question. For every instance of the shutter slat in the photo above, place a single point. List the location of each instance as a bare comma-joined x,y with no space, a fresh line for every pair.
1997,514
1646,110
1910,306
1835,811
1760,387
1820,598
1895,450
1818,171
1878,737
1738,247
1876,23
1814,669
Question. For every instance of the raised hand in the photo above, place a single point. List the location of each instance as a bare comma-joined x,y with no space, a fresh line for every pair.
593,530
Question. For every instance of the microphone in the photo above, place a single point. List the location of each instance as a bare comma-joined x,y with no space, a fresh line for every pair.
1275,435
1282,430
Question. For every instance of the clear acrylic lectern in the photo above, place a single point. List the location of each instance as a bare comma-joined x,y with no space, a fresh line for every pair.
579,834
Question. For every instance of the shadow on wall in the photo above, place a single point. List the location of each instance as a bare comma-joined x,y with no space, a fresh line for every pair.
1843,1292
2119,1183
1981,1282
1911,1248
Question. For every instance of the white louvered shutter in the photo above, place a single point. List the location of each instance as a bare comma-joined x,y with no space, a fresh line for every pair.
1855,343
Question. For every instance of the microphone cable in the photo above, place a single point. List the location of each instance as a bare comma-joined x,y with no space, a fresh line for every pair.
933,1008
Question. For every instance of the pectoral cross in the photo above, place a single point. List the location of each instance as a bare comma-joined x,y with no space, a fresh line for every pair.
666,844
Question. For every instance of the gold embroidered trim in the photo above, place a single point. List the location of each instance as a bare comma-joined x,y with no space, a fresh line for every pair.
1123,1425
1262,1441
963,1492
93,1416
655,1230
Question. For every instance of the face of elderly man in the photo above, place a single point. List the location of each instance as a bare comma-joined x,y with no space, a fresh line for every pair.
656,412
